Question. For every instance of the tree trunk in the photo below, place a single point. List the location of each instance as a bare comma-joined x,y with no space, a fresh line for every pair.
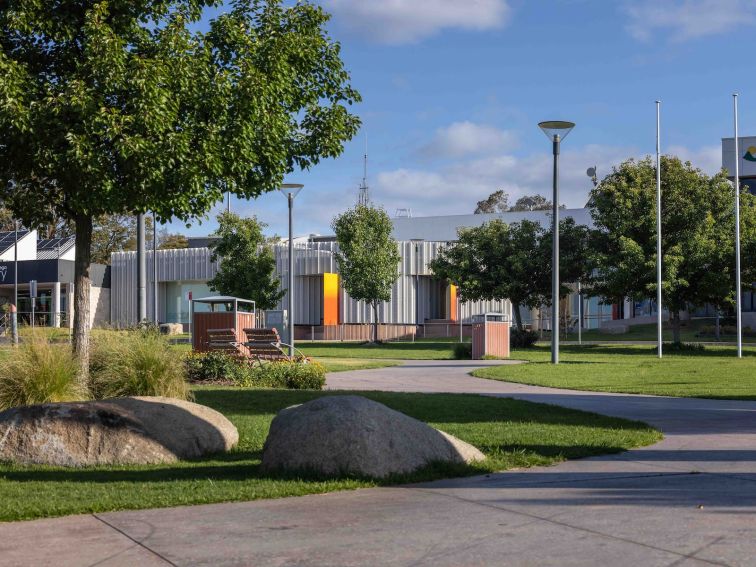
717,332
675,316
375,323
82,284
517,315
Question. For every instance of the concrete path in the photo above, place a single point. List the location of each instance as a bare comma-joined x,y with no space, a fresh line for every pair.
689,500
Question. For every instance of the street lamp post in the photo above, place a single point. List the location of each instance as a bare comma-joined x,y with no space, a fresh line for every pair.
290,191
556,131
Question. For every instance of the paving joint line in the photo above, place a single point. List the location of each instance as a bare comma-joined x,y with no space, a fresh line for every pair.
567,525
139,543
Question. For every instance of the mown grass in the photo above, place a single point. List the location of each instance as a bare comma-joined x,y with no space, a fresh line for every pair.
647,332
420,350
511,433
344,364
713,373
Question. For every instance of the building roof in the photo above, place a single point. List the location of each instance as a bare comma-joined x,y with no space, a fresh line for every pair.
53,248
7,239
444,228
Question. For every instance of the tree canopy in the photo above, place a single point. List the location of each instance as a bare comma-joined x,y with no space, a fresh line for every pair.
247,264
698,229
368,256
120,107
498,202
497,261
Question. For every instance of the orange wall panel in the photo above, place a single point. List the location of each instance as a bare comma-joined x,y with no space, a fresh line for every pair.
453,305
330,299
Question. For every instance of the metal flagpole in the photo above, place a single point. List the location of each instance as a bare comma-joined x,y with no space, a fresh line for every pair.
658,231
738,298
290,197
580,314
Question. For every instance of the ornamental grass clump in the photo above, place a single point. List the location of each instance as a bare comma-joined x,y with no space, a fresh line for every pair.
38,372
137,363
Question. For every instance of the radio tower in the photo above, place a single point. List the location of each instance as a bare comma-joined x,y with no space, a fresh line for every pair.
364,196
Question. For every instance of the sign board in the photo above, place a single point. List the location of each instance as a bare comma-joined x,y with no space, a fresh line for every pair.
32,288
275,319
747,156
189,295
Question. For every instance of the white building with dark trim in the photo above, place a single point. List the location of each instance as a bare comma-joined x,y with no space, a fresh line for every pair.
49,262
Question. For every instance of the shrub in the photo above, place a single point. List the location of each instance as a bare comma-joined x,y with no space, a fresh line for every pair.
137,363
522,339
463,351
223,368
40,372
218,367
711,331
292,375
681,347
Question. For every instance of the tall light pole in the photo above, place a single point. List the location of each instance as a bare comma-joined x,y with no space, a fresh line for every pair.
14,313
154,270
658,232
556,131
141,271
290,191
738,298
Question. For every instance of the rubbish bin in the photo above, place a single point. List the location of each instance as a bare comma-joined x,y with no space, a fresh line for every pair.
490,335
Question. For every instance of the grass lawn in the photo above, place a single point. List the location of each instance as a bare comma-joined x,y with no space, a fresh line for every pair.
342,364
713,373
688,333
420,350
511,433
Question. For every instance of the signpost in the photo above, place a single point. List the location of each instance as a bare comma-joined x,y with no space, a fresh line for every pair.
32,298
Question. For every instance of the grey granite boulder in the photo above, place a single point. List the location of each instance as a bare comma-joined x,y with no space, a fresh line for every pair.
138,430
351,434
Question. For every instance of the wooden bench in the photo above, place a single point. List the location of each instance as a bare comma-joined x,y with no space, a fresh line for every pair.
223,340
264,344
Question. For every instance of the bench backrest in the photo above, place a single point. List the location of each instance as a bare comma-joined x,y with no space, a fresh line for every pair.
222,339
264,343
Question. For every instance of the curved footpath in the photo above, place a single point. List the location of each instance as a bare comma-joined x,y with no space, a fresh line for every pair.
688,500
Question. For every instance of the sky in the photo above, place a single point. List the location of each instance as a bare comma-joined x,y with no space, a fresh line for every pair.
453,91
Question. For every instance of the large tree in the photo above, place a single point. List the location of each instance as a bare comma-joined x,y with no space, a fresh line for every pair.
247,265
496,202
497,261
698,251
368,256
120,107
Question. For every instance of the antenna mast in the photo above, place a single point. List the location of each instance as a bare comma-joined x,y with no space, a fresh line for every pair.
364,196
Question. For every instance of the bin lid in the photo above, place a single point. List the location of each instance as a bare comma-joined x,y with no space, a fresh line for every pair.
498,317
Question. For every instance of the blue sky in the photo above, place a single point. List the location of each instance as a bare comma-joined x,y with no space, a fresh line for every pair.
453,91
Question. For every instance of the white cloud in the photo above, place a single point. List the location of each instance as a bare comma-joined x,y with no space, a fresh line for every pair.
408,21
456,188
462,139
687,19
707,158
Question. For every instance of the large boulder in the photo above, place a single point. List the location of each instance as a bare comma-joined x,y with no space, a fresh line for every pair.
351,434
121,431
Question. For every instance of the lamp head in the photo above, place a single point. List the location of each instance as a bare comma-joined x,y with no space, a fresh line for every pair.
292,189
556,129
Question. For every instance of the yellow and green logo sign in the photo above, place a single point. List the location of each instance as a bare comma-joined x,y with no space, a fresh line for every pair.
750,154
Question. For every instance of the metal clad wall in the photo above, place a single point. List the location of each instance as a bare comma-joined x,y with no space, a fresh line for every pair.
311,261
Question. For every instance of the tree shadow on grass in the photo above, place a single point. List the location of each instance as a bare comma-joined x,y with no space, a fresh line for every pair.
445,411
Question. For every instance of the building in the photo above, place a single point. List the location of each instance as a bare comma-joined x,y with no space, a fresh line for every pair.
417,298
49,262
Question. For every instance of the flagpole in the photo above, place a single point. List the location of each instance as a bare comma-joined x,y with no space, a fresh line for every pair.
738,298
658,232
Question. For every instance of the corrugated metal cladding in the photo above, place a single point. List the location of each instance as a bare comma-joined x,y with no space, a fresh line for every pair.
415,296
